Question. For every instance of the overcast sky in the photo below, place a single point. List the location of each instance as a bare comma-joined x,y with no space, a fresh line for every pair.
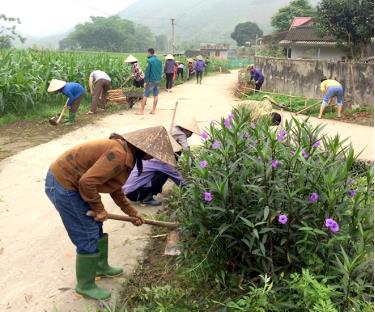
48,17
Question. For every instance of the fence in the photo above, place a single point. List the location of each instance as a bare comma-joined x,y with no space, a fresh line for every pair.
302,77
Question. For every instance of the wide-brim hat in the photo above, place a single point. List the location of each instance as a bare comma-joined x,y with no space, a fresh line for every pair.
190,60
55,85
175,146
190,125
153,141
200,58
131,59
169,57
250,66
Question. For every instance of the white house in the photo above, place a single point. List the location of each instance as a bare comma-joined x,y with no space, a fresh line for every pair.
302,42
215,50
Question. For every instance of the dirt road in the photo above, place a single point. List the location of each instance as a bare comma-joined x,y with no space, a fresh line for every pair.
36,257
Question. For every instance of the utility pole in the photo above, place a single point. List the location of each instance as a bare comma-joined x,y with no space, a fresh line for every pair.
173,45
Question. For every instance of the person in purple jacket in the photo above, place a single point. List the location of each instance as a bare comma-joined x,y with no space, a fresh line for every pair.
199,68
257,75
73,91
169,71
142,187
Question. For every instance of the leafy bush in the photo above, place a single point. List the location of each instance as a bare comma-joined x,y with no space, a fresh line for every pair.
274,201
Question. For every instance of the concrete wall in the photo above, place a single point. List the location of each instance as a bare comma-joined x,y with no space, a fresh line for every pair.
302,77
314,53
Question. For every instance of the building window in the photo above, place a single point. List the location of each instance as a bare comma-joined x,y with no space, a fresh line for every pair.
289,52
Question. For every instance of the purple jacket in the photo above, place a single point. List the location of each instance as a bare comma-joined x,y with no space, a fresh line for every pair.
169,67
200,65
150,167
256,74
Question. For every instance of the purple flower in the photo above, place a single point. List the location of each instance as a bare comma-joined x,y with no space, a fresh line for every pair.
216,144
351,181
282,135
335,227
314,197
332,225
231,116
254,142
252,125
207,197
291,153
101,305
275,163
305,154
283,219
203,164
204,135
245,135
227,123
316,144
352,193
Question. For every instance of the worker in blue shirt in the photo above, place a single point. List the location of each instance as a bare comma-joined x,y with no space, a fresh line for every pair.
257,76
73,91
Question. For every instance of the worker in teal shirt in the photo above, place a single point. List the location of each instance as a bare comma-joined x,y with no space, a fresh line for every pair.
73,91
153,74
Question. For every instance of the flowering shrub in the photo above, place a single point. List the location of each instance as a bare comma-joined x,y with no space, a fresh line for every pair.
265,200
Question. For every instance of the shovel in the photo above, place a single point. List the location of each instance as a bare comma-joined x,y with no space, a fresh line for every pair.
169,225
171,249
53,121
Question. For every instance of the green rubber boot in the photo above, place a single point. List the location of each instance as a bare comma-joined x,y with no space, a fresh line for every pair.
86,265
104,269
71,118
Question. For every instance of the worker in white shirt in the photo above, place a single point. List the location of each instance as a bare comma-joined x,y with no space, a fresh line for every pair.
99,84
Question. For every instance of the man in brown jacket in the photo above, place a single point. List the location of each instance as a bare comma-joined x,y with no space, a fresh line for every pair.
74,183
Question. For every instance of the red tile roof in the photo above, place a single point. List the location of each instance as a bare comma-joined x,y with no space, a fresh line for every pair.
299,21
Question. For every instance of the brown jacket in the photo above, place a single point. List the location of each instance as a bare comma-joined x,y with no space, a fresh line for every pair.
100,166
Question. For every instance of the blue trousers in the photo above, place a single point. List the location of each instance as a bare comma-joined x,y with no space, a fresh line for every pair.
332,91
83,231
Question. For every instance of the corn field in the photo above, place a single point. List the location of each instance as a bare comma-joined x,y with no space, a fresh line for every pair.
25,75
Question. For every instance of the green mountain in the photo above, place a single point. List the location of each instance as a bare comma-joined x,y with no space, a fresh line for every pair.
202,20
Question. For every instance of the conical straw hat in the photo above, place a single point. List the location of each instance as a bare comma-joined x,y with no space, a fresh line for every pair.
154,142
131,59
55,85
190,60
169,57
190,125
200,58
176,147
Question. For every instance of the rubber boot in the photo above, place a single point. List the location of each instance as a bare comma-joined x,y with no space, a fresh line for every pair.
86,265
72,118
103,268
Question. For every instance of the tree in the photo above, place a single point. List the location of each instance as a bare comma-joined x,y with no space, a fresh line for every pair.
245,32
108,34
350,21
282,19
8,31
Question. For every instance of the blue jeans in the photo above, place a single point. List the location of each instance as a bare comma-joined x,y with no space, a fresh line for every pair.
152,86
83,231
332,91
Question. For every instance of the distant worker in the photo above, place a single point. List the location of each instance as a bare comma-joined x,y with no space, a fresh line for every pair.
180,70
257,76
136,72
143,186
75,93
99,84
184,130
169,71
331,88
191,68
153,75
199,68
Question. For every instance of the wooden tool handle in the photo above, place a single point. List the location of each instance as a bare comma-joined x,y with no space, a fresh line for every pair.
173,117
62,112
170,225
306,108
